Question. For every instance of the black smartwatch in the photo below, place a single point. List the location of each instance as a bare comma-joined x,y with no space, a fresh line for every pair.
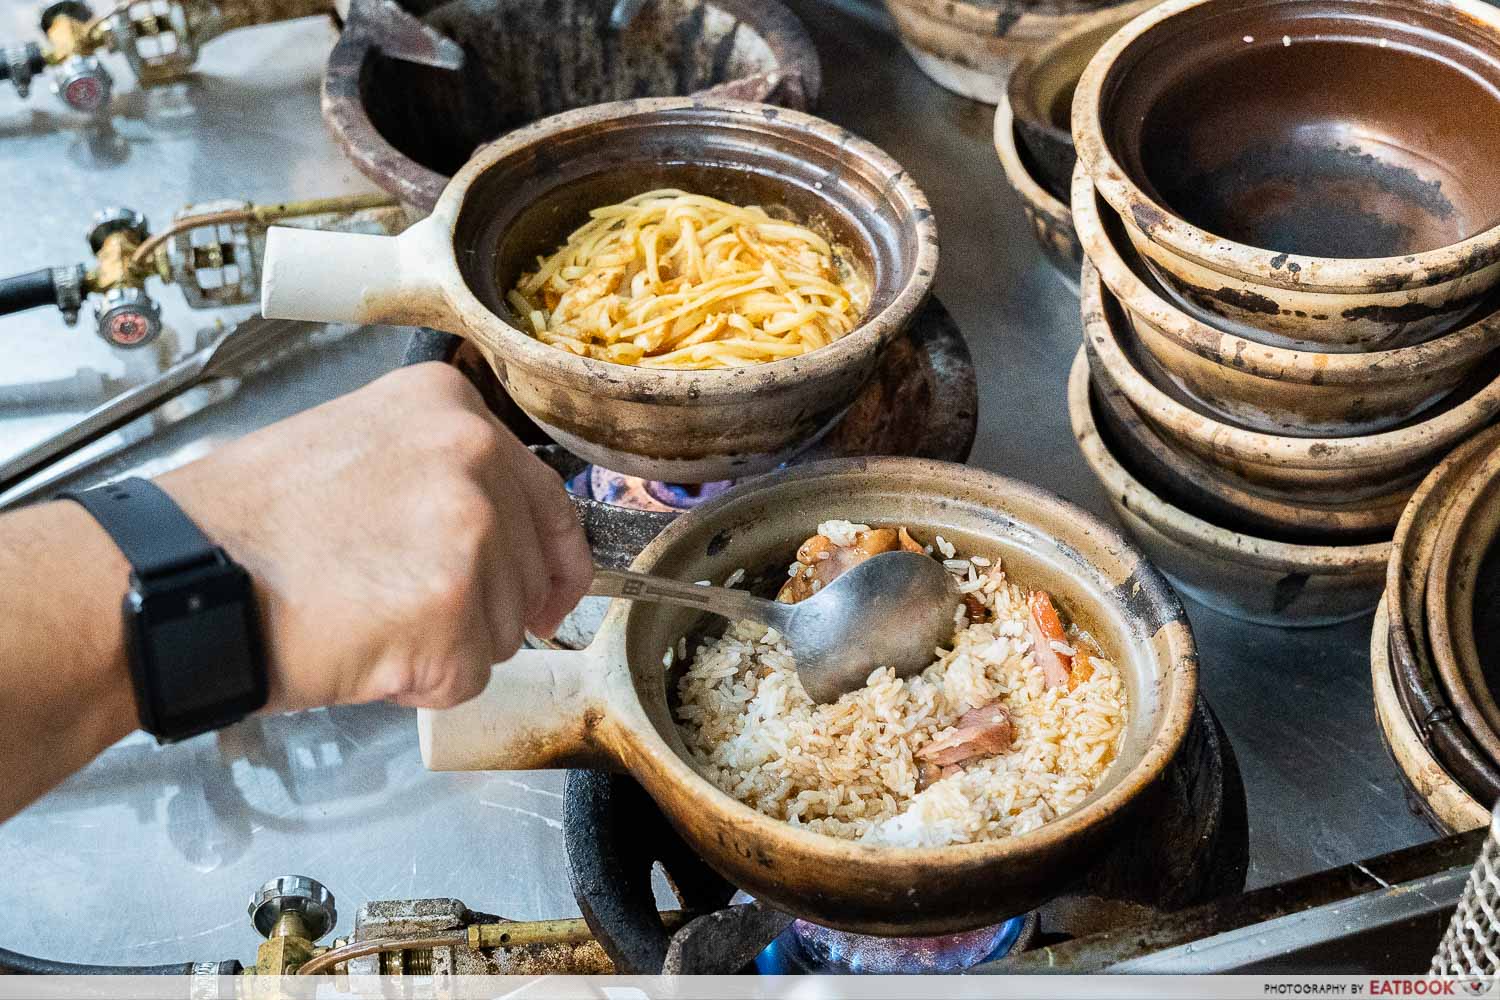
194,639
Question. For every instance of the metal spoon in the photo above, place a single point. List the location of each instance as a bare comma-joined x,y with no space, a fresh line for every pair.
892,610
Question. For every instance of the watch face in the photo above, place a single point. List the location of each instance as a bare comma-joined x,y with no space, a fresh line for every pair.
199,642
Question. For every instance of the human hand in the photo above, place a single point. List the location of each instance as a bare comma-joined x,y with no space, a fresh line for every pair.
400,541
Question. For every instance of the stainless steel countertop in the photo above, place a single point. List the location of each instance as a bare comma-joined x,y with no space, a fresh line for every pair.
149,854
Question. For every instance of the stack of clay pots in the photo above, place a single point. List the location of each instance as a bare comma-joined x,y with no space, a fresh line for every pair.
1034,132
1286,327
971,46
1432,654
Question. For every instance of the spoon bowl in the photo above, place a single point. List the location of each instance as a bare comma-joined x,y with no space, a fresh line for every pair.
893,610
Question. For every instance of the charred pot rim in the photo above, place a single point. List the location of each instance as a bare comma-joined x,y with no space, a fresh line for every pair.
1188,529
1130,280
1475,25
1051,221
1470,524
1417,685
1040,92
846,182
347,79
1023,174
1186,480
1433,432
1446,802
997,17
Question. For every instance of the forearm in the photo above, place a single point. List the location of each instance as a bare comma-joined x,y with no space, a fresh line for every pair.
65,690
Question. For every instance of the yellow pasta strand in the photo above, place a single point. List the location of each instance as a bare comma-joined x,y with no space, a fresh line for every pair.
669,279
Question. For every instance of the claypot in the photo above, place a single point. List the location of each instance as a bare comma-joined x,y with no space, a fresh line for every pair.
1245,577
1418,687
971,47
523,194
1323,470
1039,94
1362,220
1051,221
922,402
1185,480
1267,388
1443,801
609,706
1470,525
409,127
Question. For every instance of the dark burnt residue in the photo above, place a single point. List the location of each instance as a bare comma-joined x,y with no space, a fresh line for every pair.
1146,216
1238,298
1287,590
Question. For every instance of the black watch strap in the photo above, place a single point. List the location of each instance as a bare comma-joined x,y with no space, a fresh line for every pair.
157,538
196,656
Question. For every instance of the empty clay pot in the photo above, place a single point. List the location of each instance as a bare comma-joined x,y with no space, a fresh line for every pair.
1444,802
610,705
1264,163
1421,692
970,47
409,127
1040,94
1268,388
1470,525
521,196
1254,579
1322,470
1051,221
1185,480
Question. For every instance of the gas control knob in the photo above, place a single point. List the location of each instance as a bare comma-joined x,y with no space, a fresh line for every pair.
84,84
116,219
128,318
299,894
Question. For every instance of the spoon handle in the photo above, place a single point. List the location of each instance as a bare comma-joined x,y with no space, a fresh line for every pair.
733,604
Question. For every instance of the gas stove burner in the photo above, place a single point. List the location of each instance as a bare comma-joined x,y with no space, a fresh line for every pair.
620,490
1186,842
806,947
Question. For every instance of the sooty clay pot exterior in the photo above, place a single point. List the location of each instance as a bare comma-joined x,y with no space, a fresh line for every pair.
609,705
523,194
1260,210
1040,94
1254,579
1051,221
1470,524
1443,802
1266,388
1185,480
1324,470
1422,692
409,128
970,48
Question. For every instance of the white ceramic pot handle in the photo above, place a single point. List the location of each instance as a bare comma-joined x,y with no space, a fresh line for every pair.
324,277
538,711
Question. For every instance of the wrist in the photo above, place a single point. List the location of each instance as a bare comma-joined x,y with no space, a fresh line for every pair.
93,578
190,621
230,525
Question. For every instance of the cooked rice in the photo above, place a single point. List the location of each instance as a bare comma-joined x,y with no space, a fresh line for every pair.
847,769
